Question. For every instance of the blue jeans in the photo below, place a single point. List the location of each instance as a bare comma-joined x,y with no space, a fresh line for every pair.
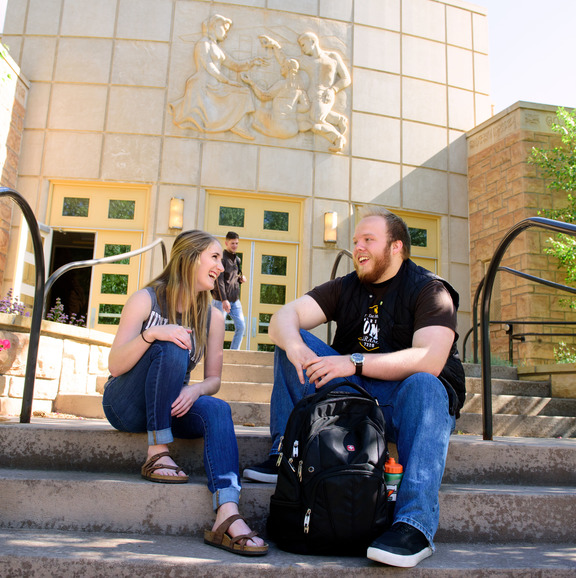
417,420
140,400
237,317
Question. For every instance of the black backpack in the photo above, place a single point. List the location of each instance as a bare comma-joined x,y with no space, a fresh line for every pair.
331,494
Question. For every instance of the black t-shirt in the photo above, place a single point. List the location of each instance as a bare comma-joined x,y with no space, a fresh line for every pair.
434,306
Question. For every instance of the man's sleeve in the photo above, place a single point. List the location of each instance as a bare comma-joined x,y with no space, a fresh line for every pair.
435,307
327,296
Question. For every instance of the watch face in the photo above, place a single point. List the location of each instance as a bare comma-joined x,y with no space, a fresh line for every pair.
357,358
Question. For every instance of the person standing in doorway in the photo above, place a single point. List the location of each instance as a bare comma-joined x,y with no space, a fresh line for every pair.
226,293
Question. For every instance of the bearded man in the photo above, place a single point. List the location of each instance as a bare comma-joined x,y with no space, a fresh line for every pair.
396,337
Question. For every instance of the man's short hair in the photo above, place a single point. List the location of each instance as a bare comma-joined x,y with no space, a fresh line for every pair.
232,235
397,228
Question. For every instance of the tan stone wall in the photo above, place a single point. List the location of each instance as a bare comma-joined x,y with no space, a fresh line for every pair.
70,360
103,81
503,190
13,93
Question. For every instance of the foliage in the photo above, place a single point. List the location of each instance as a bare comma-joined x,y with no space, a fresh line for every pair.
58,315
564,354
12,306
559,166
3,52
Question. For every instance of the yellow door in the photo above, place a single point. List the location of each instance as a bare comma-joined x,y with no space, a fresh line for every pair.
424,240
116,215
269,230
113,283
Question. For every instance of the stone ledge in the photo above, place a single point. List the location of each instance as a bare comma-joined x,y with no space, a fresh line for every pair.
562,377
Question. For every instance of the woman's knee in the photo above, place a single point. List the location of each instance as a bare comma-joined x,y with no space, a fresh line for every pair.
173,353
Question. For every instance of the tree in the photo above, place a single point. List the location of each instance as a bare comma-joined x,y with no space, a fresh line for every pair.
559,166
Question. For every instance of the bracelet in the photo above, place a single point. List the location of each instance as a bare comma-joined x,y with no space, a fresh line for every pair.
145,341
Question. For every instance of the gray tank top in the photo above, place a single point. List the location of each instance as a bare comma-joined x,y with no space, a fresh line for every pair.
156,318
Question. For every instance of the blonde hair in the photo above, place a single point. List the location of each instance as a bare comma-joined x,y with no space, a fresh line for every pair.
175,286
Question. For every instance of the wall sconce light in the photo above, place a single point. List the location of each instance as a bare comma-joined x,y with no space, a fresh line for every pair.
331,227
176,217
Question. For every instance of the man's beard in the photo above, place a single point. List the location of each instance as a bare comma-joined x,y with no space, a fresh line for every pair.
379,266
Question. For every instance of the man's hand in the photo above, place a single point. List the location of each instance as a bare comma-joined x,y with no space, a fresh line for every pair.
321,370
226,306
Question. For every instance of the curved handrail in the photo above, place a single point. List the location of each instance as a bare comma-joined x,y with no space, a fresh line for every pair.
540,222
342,253
91,262
36,321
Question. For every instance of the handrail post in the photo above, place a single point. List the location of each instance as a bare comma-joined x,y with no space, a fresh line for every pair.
36,321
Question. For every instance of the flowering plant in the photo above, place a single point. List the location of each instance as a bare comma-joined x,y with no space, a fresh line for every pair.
12,305
4,344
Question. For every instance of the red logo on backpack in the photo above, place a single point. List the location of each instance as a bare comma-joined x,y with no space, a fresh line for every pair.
351,448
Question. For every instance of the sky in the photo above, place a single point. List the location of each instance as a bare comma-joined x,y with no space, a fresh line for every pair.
531,51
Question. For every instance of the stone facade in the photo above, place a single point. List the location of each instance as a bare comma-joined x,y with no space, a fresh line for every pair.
105,78
71,360
505,189
13,92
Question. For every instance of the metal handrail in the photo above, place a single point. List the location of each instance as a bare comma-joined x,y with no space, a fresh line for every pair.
342,253
36,321
91,262
493,267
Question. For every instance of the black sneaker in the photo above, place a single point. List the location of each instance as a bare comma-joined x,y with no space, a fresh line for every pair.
402,545
266,472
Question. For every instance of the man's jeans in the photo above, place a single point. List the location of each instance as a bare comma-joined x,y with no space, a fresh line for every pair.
237,317
417,420
140,400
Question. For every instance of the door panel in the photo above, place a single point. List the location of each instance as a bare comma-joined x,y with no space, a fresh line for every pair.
269,230
113,283
117,214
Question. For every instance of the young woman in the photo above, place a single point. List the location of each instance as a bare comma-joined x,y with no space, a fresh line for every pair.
164,330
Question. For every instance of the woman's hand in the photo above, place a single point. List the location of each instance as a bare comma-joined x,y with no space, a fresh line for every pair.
186,399
174,333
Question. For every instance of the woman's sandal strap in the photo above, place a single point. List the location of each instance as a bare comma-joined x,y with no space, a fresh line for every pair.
151,466
223,527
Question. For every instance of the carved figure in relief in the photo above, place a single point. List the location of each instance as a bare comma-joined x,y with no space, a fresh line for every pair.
327,76
212,101
289,102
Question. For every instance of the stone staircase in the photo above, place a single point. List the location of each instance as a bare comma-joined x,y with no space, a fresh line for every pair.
75,505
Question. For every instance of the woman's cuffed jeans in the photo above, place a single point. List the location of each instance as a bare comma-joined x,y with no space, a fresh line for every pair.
140,400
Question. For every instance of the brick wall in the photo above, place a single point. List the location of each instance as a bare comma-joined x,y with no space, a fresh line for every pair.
13,93
503,190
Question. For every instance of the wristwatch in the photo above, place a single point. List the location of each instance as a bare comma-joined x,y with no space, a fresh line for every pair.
358,360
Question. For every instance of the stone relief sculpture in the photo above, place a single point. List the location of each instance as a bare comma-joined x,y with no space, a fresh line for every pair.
212,102
289,101
302,100
327,76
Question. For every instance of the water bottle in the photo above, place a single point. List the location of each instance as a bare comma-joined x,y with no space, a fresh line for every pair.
393,473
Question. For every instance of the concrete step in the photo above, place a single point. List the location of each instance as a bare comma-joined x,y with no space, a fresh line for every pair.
520,425
523,405
51,553
94,446
117,502
510,387
497,371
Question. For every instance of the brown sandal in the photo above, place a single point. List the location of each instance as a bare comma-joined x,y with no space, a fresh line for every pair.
151,466
221,539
